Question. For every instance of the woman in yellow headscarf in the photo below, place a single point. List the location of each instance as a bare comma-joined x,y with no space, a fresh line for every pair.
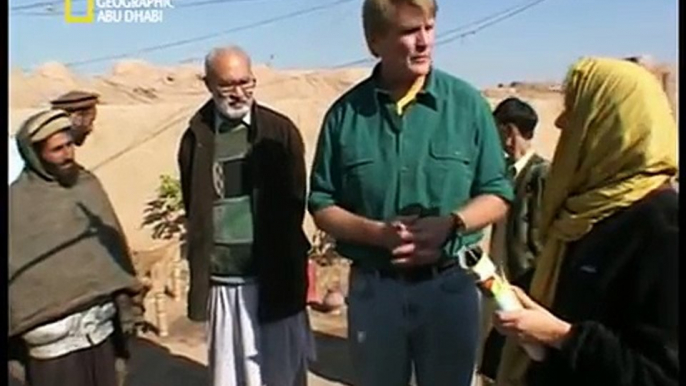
604,296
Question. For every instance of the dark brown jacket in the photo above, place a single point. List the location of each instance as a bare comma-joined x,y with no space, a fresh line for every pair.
277,164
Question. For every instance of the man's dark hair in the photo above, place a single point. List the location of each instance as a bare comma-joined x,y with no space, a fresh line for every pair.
518,113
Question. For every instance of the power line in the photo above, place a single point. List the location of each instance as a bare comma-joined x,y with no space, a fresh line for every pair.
497,16
178,43
481,25
213,2
443,38
491,20
490,23
487,18
33,5
38,13
176,118
53,8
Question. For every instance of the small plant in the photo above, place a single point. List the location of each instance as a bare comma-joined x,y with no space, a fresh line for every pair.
165,212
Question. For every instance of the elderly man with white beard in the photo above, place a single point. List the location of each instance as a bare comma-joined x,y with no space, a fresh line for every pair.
243,185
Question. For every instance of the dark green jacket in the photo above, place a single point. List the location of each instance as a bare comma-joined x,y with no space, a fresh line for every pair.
522,233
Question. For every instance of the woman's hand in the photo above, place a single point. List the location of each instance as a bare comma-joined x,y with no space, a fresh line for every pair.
532,323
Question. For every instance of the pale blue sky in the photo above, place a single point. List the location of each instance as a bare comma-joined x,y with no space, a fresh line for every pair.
537,44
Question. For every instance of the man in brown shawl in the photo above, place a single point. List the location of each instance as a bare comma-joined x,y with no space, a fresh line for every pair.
73,295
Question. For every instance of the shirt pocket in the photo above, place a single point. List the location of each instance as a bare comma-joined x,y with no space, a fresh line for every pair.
448,154
358,179
450,172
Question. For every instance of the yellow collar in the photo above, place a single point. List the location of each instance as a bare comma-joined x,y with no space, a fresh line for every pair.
411,94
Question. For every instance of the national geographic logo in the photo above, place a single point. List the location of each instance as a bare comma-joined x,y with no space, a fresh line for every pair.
118,11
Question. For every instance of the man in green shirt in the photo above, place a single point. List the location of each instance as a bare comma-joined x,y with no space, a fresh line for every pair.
408,170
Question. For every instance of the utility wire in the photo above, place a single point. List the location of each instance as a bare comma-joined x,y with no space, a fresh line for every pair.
445,38
213,2
513,12
54,8
491,20
178,43
33,5
488,18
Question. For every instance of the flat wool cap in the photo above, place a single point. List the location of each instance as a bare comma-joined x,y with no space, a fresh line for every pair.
44,124
75,100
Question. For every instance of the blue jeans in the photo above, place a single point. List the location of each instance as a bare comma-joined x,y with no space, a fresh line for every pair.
394,326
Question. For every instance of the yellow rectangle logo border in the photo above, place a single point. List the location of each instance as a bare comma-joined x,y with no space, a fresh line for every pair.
89,17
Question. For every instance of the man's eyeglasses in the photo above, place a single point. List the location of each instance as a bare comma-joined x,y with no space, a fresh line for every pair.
244,85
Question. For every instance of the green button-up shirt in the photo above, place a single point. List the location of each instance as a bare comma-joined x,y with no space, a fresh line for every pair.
441,152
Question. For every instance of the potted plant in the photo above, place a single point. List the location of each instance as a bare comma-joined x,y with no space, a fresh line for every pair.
161,265
165,214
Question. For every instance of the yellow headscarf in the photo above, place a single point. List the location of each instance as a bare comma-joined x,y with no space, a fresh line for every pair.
619,144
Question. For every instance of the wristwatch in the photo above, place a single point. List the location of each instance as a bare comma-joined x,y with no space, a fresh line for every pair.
458,224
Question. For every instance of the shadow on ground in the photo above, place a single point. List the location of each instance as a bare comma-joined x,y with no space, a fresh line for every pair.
333,359
153,365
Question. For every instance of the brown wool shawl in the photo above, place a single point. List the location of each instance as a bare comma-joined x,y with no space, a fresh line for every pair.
66,246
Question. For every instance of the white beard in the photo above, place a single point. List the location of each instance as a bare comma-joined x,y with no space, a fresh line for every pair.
225,109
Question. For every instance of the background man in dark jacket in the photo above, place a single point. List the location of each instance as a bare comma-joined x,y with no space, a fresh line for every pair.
243,185
515,240
82,109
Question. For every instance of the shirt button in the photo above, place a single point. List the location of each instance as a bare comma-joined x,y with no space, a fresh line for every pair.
404,169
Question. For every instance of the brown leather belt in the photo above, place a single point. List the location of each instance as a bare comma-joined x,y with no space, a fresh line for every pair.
414,274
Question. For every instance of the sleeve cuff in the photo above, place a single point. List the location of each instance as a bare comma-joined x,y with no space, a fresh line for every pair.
318,201
580,343
504,193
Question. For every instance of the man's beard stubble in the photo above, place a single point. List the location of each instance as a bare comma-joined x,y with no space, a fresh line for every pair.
66,176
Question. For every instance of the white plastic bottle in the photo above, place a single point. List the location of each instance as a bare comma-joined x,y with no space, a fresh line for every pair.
496,287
